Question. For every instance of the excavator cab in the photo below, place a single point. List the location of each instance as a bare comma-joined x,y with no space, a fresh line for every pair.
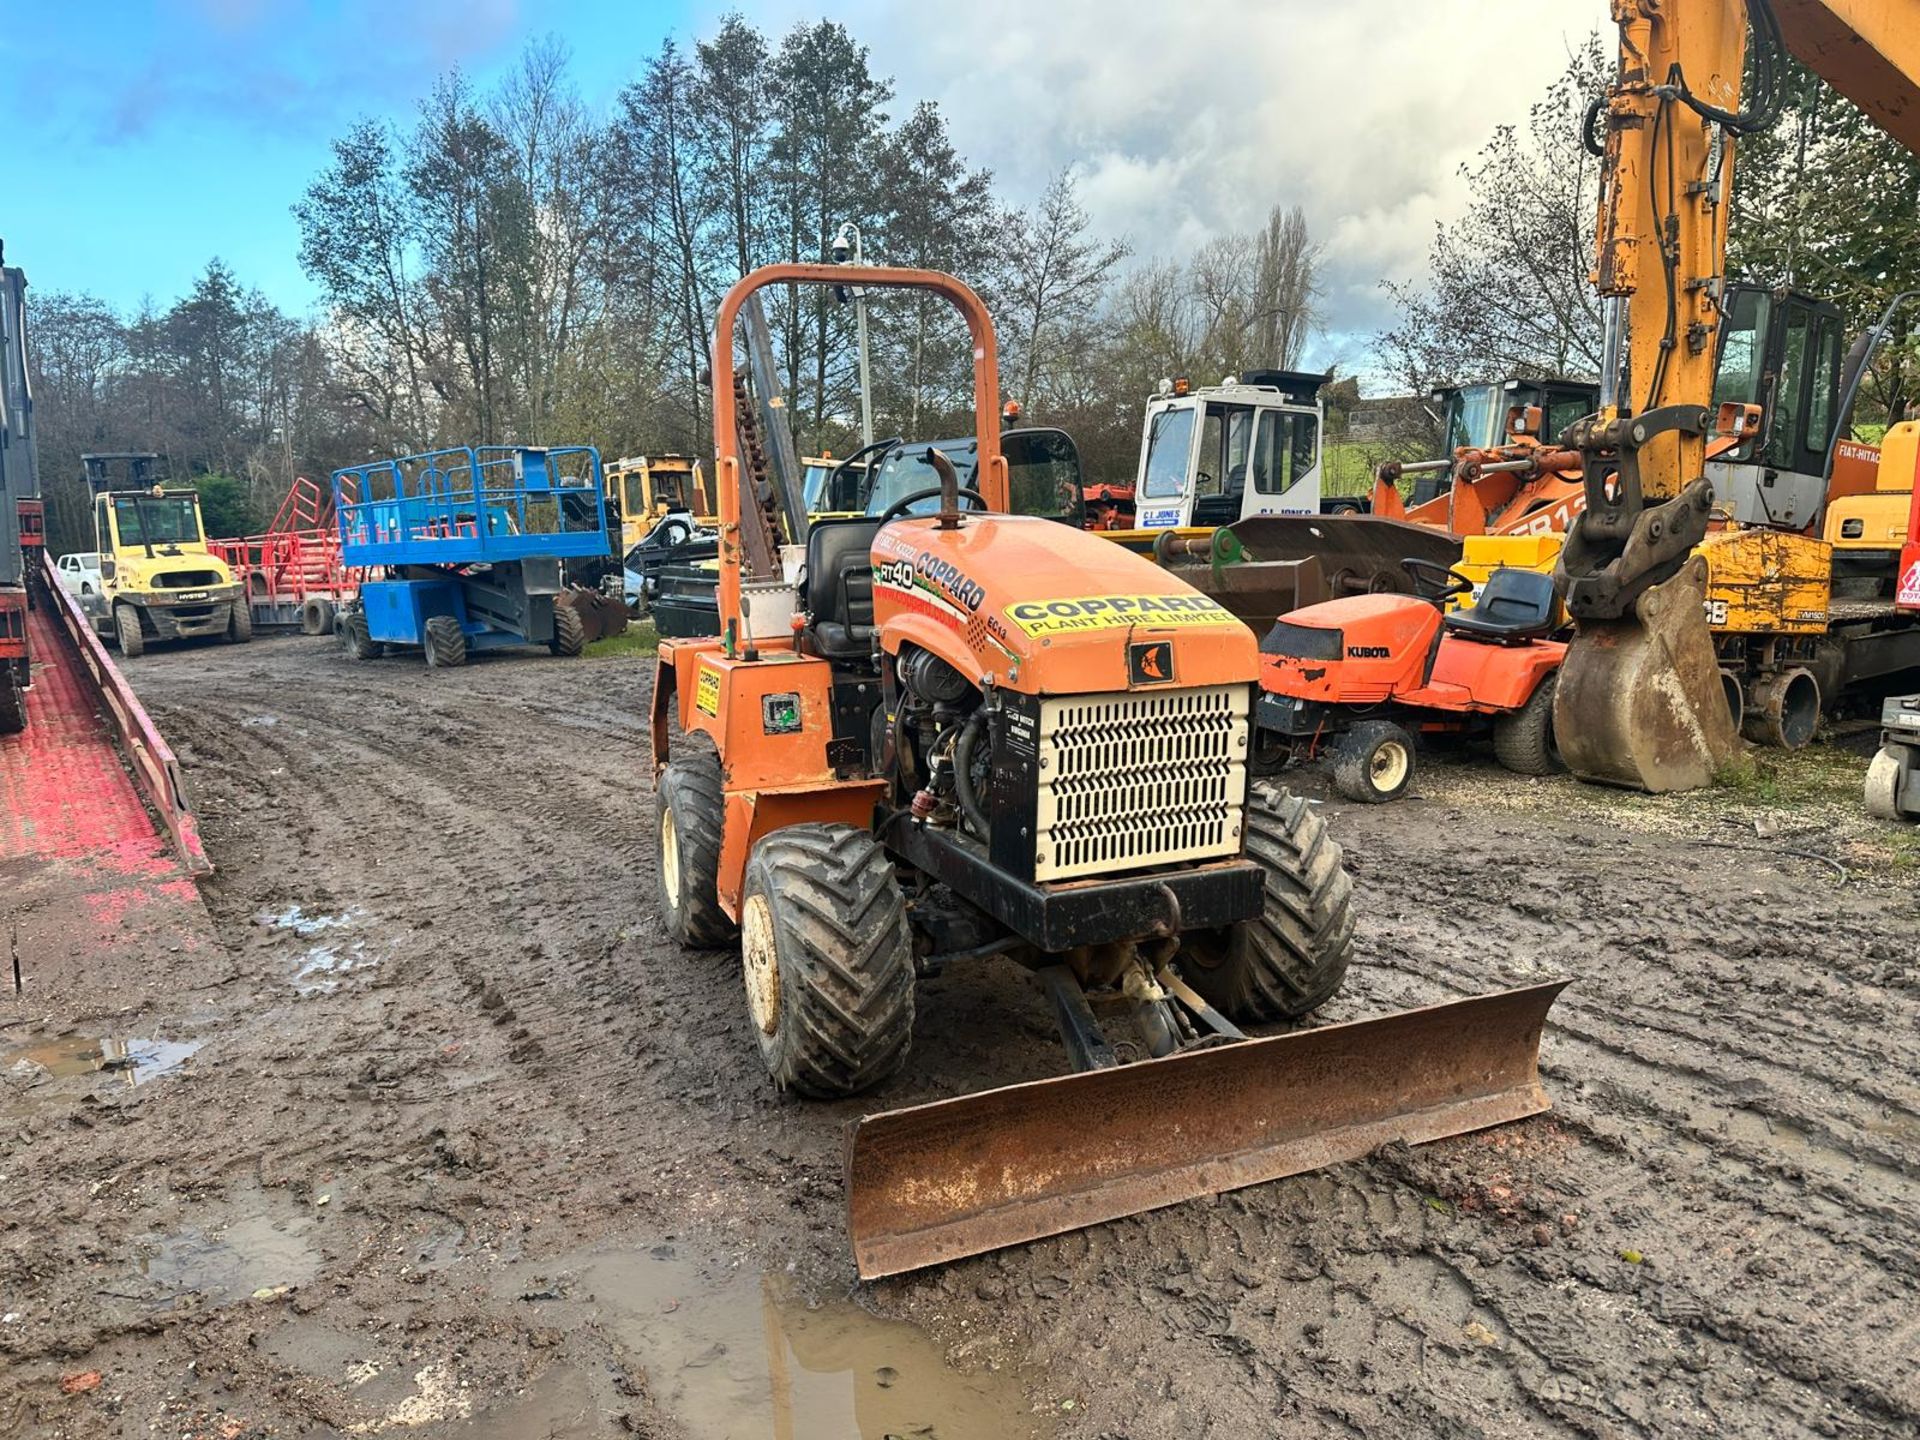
1779,349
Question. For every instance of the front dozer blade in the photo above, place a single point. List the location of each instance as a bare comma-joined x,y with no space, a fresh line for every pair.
937,1182
1640,702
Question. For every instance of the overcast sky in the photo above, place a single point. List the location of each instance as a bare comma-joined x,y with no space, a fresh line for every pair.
1189,119
147,135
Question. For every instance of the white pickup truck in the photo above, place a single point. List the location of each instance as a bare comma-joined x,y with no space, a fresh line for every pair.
80,577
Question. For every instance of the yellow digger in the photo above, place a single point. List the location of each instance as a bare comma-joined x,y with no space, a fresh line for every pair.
961,729
1642,699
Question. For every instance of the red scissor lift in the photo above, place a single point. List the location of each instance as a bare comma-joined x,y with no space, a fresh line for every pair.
293,572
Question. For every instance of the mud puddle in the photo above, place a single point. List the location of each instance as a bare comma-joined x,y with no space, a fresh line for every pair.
259,1247
136,1059
737,1355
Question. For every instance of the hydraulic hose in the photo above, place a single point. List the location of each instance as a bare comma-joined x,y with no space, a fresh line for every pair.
970,807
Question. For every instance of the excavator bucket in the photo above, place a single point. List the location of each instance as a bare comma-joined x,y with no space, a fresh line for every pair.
937,1182
1640,701
600,615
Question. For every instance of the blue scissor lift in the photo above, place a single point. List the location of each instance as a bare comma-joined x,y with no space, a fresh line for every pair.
465,548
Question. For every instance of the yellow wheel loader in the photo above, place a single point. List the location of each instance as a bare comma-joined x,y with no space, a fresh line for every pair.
951,732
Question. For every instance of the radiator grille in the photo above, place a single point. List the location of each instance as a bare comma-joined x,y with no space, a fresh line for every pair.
1140,778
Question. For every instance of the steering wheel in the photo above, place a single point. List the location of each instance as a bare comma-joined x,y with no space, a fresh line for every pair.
907,502
1449,582
878,447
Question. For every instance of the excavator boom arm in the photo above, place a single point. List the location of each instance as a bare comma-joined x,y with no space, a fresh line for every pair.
1639,701
1868,50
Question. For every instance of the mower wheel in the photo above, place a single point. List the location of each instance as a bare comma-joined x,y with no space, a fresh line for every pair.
239,622
1887,782
1523,741
1373,762
569,632
828,960
688,809
126,629
446,642
1291,959
354,636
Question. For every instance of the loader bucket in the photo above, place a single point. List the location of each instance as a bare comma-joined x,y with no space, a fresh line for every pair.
937,1182
1640,701
1269,564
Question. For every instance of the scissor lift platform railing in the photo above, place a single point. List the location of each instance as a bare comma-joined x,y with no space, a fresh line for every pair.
472,506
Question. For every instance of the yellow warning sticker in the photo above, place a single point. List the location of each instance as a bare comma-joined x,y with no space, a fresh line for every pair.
706,691
1112,612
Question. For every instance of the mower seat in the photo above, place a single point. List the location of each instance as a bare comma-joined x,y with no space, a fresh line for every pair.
840,587
1514,606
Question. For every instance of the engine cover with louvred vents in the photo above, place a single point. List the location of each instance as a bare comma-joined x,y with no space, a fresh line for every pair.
1131,779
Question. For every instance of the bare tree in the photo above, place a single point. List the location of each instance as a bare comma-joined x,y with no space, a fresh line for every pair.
1507,290
1056,276
1286,287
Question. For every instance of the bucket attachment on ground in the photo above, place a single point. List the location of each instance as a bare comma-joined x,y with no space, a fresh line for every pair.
601,616
937,1182
1640,700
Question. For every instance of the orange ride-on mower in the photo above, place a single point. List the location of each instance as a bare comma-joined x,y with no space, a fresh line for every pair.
1357,679
949,733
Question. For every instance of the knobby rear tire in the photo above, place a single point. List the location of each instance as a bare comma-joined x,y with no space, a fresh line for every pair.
445,642
355,638
1290,959
1523,741
569,632
690,794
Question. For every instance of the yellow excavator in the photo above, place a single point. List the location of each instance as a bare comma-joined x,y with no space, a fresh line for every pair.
1641,700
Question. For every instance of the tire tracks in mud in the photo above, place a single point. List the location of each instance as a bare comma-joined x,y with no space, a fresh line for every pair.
1771,1148
1733,1079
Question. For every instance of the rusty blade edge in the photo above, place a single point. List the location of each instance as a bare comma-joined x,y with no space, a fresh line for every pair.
893,1252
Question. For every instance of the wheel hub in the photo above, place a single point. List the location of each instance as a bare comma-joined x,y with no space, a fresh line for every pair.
1389,765
761,963
670,858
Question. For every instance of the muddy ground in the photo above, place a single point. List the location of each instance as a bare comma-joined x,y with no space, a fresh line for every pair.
467,1149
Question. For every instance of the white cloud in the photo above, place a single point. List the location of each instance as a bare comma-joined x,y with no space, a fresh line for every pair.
1190,120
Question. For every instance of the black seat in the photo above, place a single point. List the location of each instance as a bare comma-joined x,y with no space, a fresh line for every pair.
1514,605
840,586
